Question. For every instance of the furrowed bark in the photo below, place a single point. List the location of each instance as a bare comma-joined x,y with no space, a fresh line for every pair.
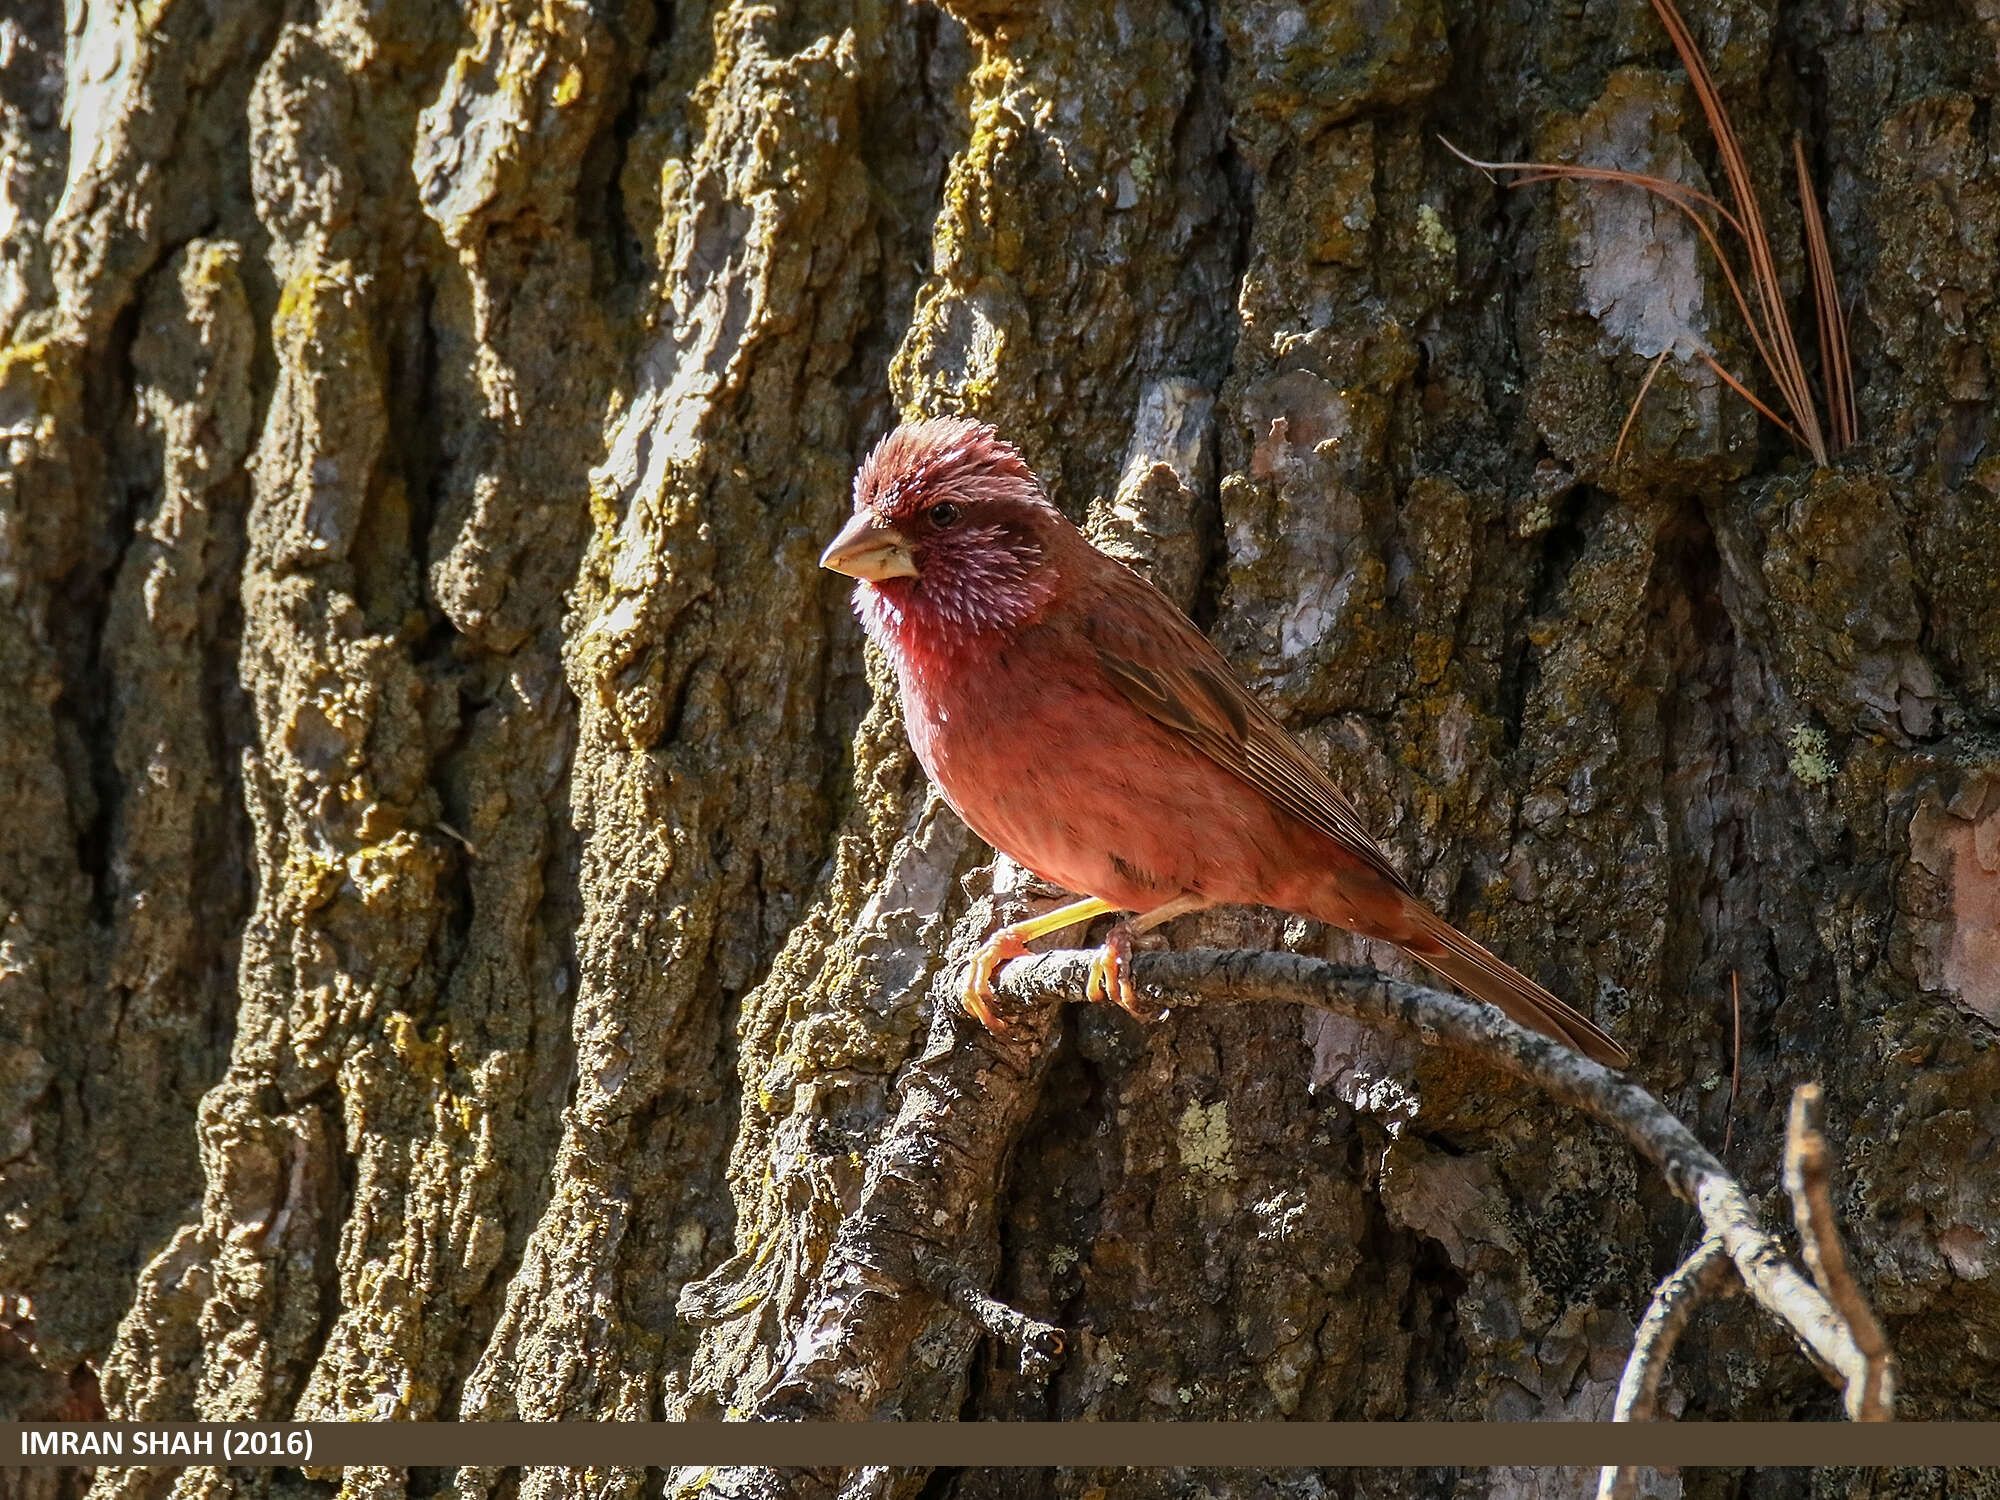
470,925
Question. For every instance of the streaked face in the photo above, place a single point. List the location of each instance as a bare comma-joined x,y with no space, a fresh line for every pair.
948,534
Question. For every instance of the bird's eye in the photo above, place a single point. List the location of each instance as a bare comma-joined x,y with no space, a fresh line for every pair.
941,515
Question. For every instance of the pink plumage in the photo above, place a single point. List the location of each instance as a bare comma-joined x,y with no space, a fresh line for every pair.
1075,719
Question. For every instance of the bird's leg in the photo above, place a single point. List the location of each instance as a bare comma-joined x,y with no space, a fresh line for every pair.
1109,981
1011,942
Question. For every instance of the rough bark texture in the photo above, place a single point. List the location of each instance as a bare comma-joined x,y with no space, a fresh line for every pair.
468,916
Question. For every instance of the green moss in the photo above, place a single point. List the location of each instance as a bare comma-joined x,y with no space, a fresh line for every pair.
604,510
304,304
1430,655
295,302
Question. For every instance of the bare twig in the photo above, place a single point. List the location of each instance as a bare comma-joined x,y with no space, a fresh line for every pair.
925,1210
1871,1395
1038,1344
1207,976
1707,1273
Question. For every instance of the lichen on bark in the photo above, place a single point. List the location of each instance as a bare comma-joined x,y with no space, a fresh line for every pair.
470,923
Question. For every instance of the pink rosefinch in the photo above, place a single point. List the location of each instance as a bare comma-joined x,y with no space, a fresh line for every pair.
1077,720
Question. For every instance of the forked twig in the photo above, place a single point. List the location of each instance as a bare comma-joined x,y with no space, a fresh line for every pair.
967,1098
1211,977
1705,1274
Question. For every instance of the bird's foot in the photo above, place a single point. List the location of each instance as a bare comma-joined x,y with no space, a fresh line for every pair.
1110,979
977,996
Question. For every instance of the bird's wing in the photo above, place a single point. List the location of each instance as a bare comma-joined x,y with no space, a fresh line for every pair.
1167,669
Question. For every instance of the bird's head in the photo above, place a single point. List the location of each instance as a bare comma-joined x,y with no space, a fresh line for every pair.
951,535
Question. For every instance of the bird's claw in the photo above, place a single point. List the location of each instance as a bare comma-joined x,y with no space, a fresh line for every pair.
1110,980
977,996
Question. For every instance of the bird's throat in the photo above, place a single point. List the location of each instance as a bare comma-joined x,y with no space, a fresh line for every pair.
933,620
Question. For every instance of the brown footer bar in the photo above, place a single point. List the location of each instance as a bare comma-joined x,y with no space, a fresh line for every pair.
1260,1445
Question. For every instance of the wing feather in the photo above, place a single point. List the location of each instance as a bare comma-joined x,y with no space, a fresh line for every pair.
1168,669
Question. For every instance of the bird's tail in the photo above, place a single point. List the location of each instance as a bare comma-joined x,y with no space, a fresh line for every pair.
1438,945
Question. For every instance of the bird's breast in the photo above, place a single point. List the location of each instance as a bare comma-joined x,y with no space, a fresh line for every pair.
1047,761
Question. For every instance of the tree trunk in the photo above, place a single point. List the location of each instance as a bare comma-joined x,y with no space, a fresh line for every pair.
471,917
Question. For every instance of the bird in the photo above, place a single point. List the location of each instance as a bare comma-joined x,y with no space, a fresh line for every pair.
1079,722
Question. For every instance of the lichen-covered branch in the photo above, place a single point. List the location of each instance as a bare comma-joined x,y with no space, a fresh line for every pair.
1211,976
931,1185
942,1159
1702,1276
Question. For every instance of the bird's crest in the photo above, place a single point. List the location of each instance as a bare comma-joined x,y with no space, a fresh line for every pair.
945,458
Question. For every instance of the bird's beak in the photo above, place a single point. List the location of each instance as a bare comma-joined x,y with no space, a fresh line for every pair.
868,549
